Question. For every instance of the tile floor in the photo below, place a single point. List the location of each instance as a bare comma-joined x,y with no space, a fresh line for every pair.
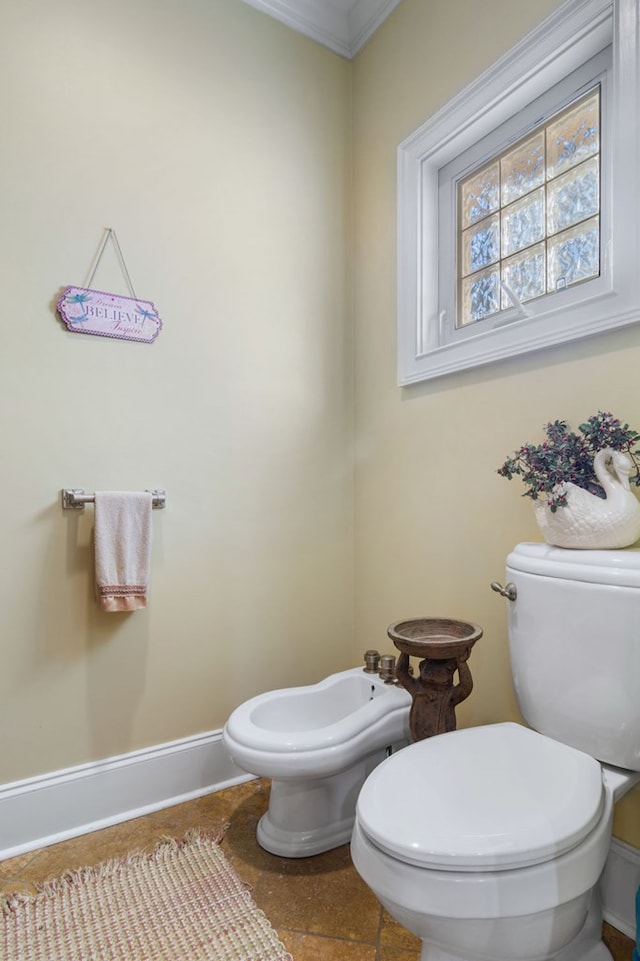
319,906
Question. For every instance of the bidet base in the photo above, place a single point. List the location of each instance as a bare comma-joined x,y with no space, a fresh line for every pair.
302,844
313,815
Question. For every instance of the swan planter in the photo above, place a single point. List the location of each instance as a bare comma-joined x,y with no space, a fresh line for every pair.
591,522
580,483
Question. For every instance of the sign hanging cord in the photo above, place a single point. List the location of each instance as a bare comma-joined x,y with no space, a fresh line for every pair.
111,234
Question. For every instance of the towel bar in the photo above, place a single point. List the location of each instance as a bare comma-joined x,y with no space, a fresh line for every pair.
74,498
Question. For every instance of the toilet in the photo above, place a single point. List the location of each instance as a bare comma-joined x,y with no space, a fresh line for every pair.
317,744
488,843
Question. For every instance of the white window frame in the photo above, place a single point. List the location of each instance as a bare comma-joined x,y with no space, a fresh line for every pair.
571,36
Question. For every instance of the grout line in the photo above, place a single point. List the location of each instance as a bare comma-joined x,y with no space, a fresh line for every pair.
378,946
283,932
327,937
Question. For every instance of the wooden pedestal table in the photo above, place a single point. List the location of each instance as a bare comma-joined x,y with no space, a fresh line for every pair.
444,646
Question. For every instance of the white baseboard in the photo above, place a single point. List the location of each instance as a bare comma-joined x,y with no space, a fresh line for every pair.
43,810
620,882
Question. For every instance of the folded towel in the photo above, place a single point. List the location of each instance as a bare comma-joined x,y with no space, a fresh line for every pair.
123,548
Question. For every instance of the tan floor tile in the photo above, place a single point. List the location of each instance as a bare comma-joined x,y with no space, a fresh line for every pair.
398,954
243,800
90,849
620,946
321,895
394,935
329,862
12,867
307,947
16,887
236,826
244,853
240,844
199,814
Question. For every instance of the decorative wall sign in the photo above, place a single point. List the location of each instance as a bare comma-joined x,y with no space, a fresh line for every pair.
87,311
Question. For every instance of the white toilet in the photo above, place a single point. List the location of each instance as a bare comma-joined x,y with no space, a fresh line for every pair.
317,743
488,843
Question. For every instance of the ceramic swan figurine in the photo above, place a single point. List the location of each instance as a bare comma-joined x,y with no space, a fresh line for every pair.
589,522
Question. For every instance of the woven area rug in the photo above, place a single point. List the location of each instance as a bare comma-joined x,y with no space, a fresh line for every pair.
181,902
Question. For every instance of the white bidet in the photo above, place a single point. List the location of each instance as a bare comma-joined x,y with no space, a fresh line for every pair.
317,744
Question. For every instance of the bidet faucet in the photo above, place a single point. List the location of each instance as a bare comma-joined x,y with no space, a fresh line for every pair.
371,662
388,669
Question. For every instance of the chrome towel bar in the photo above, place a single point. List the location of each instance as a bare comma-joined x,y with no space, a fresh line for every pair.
74,498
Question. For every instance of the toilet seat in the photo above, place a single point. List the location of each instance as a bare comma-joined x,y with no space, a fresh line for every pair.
489,798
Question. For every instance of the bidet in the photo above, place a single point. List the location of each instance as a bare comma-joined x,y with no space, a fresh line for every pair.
317,744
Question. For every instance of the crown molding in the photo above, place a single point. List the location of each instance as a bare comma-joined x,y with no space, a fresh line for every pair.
364,18
343,26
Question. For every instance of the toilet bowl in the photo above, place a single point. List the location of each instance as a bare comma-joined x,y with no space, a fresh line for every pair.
317,744
498,863
488,843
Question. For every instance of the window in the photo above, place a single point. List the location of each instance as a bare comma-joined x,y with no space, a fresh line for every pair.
519,212
518,203
528,221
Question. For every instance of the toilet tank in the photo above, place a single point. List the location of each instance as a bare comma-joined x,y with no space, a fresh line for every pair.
574,641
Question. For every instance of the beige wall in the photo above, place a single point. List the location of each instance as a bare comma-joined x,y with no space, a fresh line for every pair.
216,142
433,520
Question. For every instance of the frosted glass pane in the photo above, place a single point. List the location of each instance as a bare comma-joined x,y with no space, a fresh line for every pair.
574,136
531,214
524,274
574,196
480,295
480,195
574,255
522,169
481,245
523,223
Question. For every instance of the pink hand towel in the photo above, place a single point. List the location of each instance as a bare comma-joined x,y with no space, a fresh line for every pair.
123,548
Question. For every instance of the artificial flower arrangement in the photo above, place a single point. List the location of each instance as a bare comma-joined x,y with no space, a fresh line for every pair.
567,457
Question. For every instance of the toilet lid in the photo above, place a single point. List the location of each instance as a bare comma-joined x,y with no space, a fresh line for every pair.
487,798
